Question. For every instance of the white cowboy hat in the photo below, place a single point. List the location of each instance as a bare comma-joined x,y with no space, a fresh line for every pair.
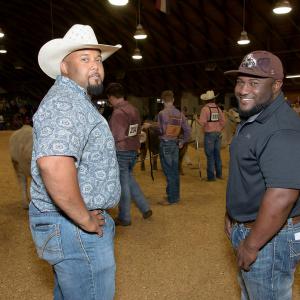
208,96
78,37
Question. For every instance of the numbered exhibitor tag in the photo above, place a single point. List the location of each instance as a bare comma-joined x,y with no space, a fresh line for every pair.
214,116
133,130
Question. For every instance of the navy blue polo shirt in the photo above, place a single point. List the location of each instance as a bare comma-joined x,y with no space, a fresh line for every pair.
265,153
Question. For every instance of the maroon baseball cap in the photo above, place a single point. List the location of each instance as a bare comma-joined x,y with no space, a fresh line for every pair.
261,64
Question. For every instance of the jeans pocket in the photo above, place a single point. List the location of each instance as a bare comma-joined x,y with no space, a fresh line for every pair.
47,239
238,234
233,236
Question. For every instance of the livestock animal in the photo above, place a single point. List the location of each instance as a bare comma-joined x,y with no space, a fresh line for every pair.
20,148
150,141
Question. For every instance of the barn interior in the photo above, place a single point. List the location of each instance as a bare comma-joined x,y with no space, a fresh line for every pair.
187,49
181,252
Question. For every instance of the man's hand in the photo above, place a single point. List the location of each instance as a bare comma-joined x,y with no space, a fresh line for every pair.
227,226
180,145
246,255
94,223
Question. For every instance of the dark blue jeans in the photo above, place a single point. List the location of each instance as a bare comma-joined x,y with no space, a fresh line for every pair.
130,189
169,156
212,147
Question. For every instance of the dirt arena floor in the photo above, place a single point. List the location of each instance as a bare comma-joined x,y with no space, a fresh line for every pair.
179,253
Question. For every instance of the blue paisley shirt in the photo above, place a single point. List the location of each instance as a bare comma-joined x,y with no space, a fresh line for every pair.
68,124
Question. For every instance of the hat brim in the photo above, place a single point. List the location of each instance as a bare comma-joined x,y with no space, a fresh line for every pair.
239,72
204,99
52,53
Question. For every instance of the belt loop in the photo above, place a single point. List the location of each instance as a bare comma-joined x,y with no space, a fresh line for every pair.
290,223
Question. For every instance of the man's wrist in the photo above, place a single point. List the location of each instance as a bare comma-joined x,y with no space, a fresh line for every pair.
251,244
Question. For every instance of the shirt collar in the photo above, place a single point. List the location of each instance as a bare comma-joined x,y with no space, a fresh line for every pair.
269,110
62,80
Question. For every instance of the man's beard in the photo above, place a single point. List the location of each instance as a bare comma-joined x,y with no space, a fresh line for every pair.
95,89
253,111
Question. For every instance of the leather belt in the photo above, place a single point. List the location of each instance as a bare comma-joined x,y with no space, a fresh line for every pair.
250,224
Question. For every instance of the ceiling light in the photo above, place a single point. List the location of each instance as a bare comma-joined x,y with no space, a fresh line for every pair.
137,54
282,7
293,76
18,65
244,40
140,33
2,49
118,2
1,33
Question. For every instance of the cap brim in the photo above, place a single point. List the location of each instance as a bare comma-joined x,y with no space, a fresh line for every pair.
52,53
238,72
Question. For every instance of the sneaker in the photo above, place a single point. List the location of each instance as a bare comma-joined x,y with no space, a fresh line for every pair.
119,222
147,214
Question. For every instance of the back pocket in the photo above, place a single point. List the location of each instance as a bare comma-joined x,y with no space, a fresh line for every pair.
47,239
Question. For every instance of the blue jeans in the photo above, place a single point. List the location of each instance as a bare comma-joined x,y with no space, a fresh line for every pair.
129,187
83,263
272,274
212,148
169,156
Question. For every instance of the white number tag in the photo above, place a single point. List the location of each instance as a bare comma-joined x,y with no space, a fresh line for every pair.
214,116
133,130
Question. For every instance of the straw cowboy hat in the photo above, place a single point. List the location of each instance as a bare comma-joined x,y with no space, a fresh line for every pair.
208,96
78,37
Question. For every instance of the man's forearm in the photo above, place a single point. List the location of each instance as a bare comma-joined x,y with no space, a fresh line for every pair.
273,213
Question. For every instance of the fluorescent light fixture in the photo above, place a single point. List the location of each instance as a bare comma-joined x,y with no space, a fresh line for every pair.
293,76
137,54
1,33
282,7
244,40
118,2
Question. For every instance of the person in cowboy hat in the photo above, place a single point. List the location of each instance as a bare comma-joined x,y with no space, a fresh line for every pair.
262,203
75,174
212,120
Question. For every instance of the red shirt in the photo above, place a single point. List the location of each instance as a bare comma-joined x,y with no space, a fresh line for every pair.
206,116
124,115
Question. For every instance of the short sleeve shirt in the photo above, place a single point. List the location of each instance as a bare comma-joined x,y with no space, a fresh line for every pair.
265,153
164,119
68,124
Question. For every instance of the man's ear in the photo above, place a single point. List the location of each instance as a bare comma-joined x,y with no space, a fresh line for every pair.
64,67
277,86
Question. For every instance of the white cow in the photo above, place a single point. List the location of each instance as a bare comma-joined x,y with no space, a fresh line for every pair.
20,148
231,120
